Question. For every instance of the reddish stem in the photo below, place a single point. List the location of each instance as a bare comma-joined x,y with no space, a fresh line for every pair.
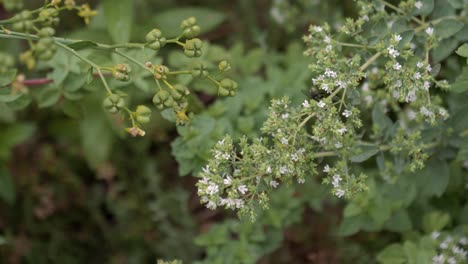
34,82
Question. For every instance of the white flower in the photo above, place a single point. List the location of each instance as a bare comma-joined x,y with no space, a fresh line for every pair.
211,205
318,29
347,113
212,188
426,112
427,85
239,203
339,193
330,73
375,70
368,99
204,180
393,52
365,87
341,84
274,184
463,241
284,141
435,235
397,38
206,169
300,180
397,66
411,116
398,83
327,39
268,170
420,64
283,169
429,68
242,189
336,180
439,259
459,251
321,104
301,151
451,260
306,104
338,145
329,47
411,96
294,157
277,16
430,31
418,4
342,130
326,168
227,181
417,76
396,94
325,87
444,245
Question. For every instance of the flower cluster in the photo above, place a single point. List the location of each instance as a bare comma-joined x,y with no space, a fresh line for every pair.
450,249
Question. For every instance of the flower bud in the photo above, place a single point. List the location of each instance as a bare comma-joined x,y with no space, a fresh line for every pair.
6,62
46,32
190,27
193,47
155,40
224,66
163,99
200,71
142,114
179,92
121,72
227,87
113,103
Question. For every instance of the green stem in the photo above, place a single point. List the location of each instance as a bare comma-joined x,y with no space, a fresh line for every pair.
92,64
369,61
353,45
395,8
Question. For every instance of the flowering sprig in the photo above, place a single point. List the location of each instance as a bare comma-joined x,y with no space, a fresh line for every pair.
365,59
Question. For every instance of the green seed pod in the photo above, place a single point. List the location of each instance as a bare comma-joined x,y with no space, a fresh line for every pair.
12,4
113,103
46,32
224,66
228,85
223,92
25,15
179,92
155,39
200,71
190,27
163,99
142,114
193,47
122,72
6,62
46,55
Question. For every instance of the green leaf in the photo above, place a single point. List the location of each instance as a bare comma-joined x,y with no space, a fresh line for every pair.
434,179
8,77
447,28
169,21
48,96
7,97
73,109
426,9
435,221
456,3
461,83
444,49
7,186
80,45
399,222
366,151
406,38
463,50
392,254
119,18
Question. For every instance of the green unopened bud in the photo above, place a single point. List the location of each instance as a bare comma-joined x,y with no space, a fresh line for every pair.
122,72
155,39
179,92
193,48
6,62
45,49
224,66
163,99
113,103
200,71
227,87
23,26
142,114
190,27
46,32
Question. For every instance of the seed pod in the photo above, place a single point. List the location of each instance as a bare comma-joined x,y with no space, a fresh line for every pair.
163,99
121,72
227,85
155,39
143,114
113,103
190,27
224,66
200,71
193,47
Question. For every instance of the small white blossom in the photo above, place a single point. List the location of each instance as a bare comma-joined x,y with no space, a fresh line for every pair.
341,84
204,180
452,260
418,4
429,68
284,116
327,39
339,193
212,188
330,73
318,29
321,104
411,96
227,180
294,157
426,112
239,203
439,259
365,18
365,87
417,76
393,52
397,66
328,47
242,189
211,205
430,31
268,170
284,141
326,168
459,251
411,116
427,85
283,169
396,94
419,64
325,87
397,38
347,113
274,184
338,145
306,104
435,235
336,180
206,169
342,130
300,180
463,241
